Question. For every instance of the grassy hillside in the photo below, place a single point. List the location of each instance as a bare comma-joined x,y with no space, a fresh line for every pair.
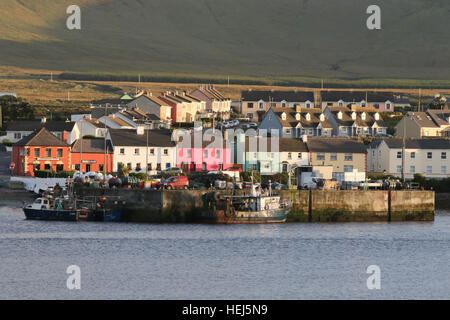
262,38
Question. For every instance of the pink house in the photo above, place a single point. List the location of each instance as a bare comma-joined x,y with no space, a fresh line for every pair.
197,155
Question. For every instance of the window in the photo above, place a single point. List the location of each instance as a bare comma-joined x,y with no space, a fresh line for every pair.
47,166
443,155
36,167
204,166
149,167
348,157
37,152
413,155
299,156
444,169
59,153
255,155
285,167
88,168
167,165
48,153
205,154
17,135
261,105
289,155
129,165
101,168
412,169
58,135
27,152
399,169
429,169
388,106
348,168
218,154
152,152
77,167
250,105
333,157
122,151
429,155
321,156
377,106
138,167
189,153
166,152
136,151
399,155
288,131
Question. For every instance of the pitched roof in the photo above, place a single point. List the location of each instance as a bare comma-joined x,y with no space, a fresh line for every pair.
41,138
291,118
348,121
422,119
278,96
396,143
129,138
211,93
92,146
335,145
356,96
53,126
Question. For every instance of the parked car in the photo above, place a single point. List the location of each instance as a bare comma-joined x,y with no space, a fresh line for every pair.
173,170
253,125
181,182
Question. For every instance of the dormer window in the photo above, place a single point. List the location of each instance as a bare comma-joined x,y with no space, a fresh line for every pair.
339,115
308,117
353,115
283,116
322,117
377,116
283,104
340,103
363,103
297,117
363,116
308,104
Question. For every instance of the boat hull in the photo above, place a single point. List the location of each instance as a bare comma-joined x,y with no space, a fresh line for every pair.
53,215
244,217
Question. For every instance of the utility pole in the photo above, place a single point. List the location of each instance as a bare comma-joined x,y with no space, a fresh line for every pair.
420,98
104,162
146,156
403,152
81,147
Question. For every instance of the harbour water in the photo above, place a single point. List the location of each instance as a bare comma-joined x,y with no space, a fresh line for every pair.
192,261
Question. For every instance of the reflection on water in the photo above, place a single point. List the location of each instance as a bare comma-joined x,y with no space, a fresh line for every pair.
280,261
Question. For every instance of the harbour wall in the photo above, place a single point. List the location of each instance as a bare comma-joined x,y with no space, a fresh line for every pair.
307,205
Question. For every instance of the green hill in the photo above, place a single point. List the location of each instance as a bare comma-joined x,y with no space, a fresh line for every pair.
284,38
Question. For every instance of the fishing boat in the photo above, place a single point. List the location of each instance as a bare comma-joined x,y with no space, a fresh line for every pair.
49,208
257,207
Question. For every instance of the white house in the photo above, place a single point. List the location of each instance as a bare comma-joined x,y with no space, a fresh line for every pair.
89,127
141,149
429,157
61,129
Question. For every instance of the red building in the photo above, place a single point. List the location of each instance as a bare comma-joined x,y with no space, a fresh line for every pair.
40,150
92,154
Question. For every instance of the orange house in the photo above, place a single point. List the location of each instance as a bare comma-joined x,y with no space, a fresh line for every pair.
40,150
89,155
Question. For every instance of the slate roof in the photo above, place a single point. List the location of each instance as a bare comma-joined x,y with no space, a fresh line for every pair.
99,112
356,96
92,146
213,94
284,145
41,138
129,138
440,117
53,126
416,143
292,122
422,119
277,96
347,120
338,145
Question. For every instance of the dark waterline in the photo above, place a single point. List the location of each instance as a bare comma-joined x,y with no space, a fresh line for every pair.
281,261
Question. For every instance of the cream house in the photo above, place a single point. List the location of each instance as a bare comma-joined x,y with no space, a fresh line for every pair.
429,157
142,150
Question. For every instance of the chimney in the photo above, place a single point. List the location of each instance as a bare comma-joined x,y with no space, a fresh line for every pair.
44,120
140,130
305,138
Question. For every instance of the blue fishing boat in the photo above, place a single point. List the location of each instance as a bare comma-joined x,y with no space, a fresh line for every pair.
48,208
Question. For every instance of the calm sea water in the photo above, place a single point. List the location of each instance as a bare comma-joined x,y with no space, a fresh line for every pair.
286,261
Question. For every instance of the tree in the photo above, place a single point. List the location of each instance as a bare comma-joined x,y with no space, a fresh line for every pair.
15,108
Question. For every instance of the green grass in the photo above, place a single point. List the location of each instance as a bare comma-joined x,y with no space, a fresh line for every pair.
285,42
